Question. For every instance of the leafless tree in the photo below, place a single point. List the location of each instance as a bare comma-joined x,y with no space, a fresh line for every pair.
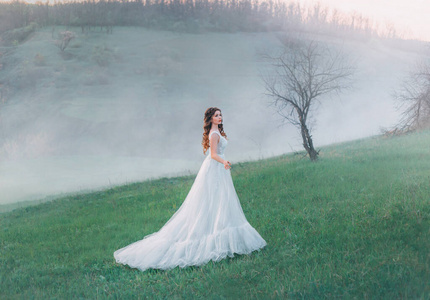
64,39
414,99
300,75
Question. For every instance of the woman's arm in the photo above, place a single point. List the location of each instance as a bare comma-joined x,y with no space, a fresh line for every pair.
214,145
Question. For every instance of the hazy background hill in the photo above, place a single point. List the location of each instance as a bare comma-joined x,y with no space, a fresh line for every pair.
126,106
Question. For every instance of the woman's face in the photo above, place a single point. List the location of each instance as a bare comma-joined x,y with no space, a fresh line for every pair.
217,118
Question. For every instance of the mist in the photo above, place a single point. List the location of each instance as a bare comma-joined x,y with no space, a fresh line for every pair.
73,124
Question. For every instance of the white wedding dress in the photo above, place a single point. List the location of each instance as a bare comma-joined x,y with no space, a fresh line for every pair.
209,225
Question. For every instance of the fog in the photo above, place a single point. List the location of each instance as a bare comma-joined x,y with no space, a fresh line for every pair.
71,124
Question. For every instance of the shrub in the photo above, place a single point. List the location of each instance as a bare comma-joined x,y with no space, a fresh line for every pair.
27,75
39,60
103,55
18,35
165,62
64,39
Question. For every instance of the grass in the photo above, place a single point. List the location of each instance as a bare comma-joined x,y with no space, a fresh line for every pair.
356,224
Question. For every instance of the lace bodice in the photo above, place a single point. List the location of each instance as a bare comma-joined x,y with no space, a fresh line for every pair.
222,144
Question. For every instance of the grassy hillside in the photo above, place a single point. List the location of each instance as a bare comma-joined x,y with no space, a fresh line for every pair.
354,224
108,109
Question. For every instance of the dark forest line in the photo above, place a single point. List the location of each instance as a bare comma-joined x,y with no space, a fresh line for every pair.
18,19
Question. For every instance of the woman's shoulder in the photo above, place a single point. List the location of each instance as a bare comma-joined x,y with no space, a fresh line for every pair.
214,131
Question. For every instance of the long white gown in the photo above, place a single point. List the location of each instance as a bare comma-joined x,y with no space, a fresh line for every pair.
209,225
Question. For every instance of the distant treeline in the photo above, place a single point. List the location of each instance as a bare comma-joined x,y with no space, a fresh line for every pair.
188,16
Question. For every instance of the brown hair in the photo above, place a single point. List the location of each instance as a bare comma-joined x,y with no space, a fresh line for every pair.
207,125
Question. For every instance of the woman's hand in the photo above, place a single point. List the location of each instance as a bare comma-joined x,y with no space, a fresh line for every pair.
227,164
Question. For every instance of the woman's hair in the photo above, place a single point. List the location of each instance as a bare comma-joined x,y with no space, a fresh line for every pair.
207,125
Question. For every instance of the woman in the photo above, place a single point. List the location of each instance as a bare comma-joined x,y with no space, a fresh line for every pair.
209,225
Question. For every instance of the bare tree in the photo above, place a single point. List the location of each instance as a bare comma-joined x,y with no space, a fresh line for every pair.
64,39
301,75
414,99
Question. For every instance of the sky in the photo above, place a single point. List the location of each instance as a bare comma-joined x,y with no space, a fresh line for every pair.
409,17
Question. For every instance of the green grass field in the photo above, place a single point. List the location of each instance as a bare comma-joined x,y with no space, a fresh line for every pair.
356,224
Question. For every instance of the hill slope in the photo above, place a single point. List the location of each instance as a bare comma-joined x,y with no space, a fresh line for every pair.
354,224
109,109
